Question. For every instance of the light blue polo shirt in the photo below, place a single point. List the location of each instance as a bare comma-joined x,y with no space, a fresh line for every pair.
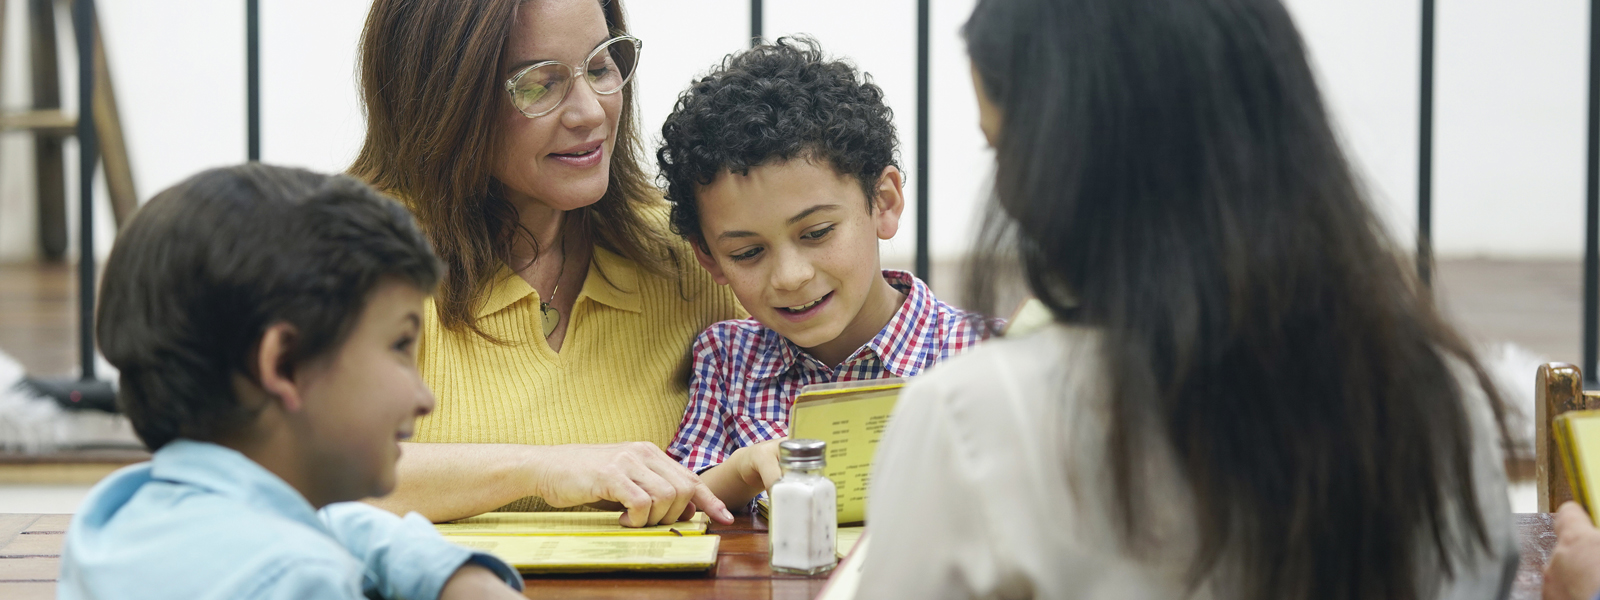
203,521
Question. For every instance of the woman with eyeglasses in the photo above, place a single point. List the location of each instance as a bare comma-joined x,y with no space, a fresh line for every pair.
1243,394
556,345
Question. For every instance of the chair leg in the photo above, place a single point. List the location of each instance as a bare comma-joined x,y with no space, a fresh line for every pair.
49,164
113,148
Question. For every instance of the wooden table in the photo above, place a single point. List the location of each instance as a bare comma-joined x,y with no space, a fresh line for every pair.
30,558
1536,531
30,550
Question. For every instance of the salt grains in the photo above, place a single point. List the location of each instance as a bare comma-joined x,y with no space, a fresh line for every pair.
804,511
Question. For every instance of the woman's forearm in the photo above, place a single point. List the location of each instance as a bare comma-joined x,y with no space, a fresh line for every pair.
445,482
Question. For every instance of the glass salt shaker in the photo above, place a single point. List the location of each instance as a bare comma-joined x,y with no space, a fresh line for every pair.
804,518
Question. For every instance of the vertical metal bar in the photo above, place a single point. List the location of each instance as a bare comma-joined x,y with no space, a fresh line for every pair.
83,27
1591,243
253,75
1425,154
922,140
757,20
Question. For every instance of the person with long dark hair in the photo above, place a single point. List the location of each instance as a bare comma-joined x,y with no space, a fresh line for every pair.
1244,393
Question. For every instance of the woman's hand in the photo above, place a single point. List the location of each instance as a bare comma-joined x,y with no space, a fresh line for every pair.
1573,572
651,487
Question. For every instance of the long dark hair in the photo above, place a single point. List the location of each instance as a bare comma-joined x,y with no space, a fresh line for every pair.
1167,175
430,86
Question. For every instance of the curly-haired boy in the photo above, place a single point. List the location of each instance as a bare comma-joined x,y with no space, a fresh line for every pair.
780,166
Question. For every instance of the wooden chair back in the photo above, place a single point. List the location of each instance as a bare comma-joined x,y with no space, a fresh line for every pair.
1559,389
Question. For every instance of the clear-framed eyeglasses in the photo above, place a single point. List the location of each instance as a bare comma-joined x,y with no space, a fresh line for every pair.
540,88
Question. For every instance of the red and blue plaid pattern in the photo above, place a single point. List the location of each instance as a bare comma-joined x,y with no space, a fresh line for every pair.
746,376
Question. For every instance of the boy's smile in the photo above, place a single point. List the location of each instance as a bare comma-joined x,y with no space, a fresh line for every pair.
364,400
798,245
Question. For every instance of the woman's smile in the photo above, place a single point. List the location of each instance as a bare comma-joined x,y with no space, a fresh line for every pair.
581,156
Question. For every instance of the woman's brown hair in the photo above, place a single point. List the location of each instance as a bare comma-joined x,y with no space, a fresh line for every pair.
430,85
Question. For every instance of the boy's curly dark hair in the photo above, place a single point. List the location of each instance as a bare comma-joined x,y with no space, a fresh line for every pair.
773,103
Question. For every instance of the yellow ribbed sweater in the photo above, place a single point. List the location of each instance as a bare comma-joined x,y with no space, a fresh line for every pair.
621,375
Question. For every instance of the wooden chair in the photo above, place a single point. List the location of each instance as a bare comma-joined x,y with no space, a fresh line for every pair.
51,126
1559,389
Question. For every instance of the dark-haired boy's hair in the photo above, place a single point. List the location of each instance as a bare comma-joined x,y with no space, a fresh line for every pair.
205,267
773,103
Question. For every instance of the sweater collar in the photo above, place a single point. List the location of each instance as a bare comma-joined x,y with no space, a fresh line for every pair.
612,280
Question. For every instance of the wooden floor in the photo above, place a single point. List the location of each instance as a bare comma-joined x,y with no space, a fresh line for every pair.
38,316
1534,304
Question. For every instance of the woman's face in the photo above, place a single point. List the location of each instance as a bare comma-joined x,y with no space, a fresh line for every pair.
988,113
561,159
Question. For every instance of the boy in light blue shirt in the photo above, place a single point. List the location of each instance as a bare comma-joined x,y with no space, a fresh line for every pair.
264,321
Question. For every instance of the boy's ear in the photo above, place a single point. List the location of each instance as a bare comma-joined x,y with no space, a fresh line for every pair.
889,203
710,264
276,374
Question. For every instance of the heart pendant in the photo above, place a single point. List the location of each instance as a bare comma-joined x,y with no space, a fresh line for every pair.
549,317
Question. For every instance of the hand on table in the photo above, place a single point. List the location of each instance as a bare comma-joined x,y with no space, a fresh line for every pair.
757,465
1573,572
651,487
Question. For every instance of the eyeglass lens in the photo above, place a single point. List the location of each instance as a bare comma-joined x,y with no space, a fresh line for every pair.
539,90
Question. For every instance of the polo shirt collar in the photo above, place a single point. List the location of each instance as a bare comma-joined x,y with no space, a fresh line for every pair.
612,280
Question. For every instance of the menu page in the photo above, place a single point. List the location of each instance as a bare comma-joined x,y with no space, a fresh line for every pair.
851,423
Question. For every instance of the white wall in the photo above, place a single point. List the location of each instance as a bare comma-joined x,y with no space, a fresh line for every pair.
1509,116
1509,121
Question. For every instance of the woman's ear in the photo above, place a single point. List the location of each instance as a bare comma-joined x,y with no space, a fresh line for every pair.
702,254
889,202
272,363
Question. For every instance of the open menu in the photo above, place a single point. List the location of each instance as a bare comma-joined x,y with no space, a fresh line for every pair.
586,542
850,417
565,523
591,553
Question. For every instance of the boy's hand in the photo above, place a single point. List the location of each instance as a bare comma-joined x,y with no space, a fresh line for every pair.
1574,568
757,465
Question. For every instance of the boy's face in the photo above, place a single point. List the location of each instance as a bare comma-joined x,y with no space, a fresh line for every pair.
362,400
798,245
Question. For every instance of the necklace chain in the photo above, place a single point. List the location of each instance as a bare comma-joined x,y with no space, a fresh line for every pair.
549,316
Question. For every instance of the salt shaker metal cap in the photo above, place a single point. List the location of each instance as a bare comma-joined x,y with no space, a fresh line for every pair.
802,454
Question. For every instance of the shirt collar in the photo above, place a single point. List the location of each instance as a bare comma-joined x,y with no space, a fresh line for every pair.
612,280
228,473
775,356
901,344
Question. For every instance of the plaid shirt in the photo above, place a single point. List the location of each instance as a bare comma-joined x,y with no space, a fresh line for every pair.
746,376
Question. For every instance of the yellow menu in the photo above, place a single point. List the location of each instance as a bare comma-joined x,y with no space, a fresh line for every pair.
1577,436
565,523
1031,315
845,538
850,417
593,553
846,578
